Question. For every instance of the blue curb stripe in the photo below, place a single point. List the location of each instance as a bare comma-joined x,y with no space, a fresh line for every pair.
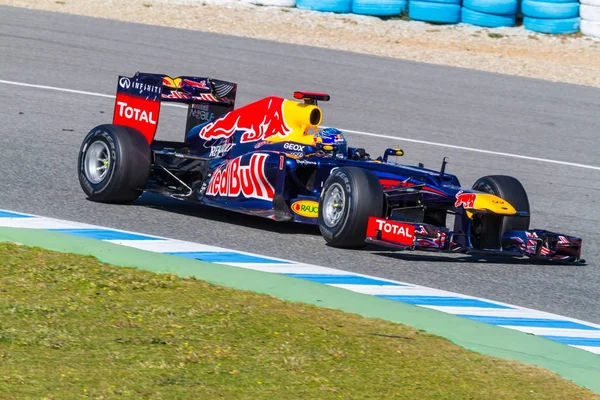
342,279
447,302
6,214
444,301
575,341
531,322
222,257
104,234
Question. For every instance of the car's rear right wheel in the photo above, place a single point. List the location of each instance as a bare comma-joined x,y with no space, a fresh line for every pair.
114,164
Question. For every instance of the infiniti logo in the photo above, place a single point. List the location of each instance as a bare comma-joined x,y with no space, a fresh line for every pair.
124,82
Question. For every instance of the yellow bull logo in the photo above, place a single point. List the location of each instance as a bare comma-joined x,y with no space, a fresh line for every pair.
172,83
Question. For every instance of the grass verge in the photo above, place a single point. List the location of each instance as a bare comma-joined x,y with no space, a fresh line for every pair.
73,327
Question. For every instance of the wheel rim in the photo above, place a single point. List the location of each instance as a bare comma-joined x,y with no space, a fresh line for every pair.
333,205
97,162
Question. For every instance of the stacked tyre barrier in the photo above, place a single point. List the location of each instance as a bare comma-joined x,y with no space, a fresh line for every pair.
551,16
589,11
336,6
544,16
380,8
489,13
438,11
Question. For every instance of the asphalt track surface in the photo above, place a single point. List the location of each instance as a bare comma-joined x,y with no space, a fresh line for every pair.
41,131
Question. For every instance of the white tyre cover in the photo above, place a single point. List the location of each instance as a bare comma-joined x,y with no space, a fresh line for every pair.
590,28
591,2
589,13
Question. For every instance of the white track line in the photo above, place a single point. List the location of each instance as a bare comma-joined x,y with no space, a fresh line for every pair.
496,153
378,135
58,89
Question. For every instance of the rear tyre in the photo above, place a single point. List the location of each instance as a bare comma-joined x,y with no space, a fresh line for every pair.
350,196
489,229
114,164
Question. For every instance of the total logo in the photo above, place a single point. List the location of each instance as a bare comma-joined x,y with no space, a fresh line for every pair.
294,147
391,231
135,113
395,228
306,208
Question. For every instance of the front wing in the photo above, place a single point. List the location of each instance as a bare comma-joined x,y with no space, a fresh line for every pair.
536,243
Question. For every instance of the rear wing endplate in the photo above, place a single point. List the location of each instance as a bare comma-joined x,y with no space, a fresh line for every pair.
139,97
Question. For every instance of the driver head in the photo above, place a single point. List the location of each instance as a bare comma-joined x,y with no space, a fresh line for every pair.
335,137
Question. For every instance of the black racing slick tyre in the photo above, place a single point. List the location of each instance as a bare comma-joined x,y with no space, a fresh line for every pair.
350,196
114,164
492,227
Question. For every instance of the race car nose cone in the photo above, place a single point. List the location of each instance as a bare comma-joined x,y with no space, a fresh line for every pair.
493,203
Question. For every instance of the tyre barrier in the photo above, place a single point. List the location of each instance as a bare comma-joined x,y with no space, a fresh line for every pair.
335,6
495,7
551,16
477,18
380,8
552,26
590,28
544,16
489,13
441,11
589,12
547,10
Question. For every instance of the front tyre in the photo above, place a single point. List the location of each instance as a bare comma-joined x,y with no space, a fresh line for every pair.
114,164
350,196
488,230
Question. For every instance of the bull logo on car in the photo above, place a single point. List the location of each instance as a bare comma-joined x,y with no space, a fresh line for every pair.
467,200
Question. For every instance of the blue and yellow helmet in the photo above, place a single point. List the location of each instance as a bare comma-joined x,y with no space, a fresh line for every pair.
333,136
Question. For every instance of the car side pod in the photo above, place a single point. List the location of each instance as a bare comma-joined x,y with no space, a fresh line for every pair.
535,244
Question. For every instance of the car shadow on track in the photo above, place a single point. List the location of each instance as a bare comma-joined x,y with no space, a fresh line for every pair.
459,258
191,209
467,259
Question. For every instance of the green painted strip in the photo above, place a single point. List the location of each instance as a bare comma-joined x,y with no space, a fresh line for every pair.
577,365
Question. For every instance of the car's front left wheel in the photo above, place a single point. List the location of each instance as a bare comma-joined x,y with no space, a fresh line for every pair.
350,196
488,229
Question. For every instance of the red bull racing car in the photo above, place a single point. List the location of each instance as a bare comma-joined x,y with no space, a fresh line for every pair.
272,158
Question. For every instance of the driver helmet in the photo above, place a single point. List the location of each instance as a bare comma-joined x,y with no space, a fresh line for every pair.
335,137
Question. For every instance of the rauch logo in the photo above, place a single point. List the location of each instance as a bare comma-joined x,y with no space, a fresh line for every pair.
306,208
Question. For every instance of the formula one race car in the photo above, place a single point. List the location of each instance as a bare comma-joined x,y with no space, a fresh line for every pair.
272,158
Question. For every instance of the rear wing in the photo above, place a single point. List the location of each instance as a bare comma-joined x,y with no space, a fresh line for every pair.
139,98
